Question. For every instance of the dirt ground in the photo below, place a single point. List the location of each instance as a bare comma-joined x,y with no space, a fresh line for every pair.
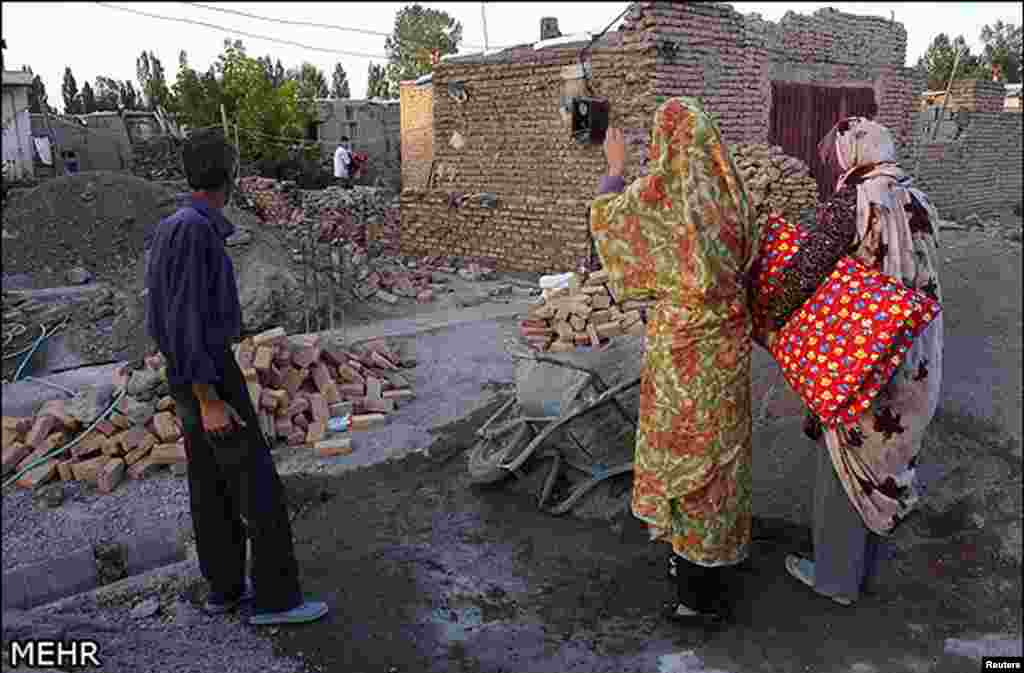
424,572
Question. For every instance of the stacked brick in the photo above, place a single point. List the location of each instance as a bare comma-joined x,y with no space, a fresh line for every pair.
775,182
417,108
518,148
297,385
979,173
158,158
114,450
585,314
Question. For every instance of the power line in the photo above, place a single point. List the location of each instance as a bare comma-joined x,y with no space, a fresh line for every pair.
245,34
308,24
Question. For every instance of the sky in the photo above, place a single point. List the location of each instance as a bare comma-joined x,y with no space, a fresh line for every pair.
47,36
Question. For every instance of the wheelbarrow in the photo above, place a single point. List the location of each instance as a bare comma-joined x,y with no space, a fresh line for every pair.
575,411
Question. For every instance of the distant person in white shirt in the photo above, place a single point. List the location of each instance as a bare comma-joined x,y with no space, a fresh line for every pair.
343,163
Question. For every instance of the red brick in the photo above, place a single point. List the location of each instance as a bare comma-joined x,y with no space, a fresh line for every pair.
318,407
110,476
43,426
305,357
168,454
166,426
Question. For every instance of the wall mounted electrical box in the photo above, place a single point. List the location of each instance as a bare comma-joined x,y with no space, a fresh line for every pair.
589,120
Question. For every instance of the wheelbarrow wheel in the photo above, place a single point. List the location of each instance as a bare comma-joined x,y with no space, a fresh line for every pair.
487,455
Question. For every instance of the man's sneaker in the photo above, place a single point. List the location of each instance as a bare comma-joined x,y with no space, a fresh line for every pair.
310,611
218,604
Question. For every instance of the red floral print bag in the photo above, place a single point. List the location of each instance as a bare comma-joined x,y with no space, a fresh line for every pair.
779,242
847,340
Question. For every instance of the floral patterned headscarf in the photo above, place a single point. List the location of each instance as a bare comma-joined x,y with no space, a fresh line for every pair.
864,152
687,227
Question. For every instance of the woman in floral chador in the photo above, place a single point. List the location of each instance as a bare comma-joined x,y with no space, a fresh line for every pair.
685,236
866,478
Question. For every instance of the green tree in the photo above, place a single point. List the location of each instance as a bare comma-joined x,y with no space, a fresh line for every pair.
1002,47
938,61
88,99
107,93
339,83
311,80
274,71
127,95
267,114
153,81
377,84
69,91
37,98
197,97
418,34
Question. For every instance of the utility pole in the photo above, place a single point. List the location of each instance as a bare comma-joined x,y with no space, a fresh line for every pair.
945,97
483,15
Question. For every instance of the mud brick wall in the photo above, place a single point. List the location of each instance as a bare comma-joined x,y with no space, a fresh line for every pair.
978,173
975,95
518,148
703,50
417,102
832,48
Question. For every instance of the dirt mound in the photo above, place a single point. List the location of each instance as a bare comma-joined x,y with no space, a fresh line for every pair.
96,220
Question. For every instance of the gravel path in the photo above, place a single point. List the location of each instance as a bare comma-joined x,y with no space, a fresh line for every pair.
181,638
156,630
33,533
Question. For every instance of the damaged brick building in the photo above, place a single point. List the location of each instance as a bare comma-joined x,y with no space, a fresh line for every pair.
967,154
504,180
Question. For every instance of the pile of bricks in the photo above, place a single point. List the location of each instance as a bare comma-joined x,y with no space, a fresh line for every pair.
158,158
114,450
580,315
296,384
775,182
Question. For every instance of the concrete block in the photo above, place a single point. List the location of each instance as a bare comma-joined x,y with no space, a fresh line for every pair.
156,548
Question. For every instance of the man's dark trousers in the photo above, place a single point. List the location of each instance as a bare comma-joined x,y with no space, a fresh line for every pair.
232,479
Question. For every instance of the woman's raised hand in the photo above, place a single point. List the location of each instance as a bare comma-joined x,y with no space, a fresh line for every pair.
615,151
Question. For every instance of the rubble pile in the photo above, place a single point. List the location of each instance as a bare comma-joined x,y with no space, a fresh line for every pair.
158,158
358,234
582,314
307,393
775,182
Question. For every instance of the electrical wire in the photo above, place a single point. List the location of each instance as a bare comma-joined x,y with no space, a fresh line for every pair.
594,40
311,24
254,36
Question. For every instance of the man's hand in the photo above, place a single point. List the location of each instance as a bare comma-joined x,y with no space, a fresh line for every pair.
219,418
615,151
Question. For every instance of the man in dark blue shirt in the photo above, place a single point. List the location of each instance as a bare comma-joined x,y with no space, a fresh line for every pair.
193,314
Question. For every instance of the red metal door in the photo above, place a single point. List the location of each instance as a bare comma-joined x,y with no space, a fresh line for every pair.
803,113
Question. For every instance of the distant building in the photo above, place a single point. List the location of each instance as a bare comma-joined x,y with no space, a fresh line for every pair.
372,127
1013,97
17,126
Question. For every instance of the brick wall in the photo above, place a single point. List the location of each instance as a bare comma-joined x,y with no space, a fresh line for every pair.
978,173
373,128
417,102
975,95
517,148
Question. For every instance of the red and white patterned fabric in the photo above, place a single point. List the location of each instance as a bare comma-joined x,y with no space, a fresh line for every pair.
845,342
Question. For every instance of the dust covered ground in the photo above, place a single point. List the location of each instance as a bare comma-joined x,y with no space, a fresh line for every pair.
424,572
